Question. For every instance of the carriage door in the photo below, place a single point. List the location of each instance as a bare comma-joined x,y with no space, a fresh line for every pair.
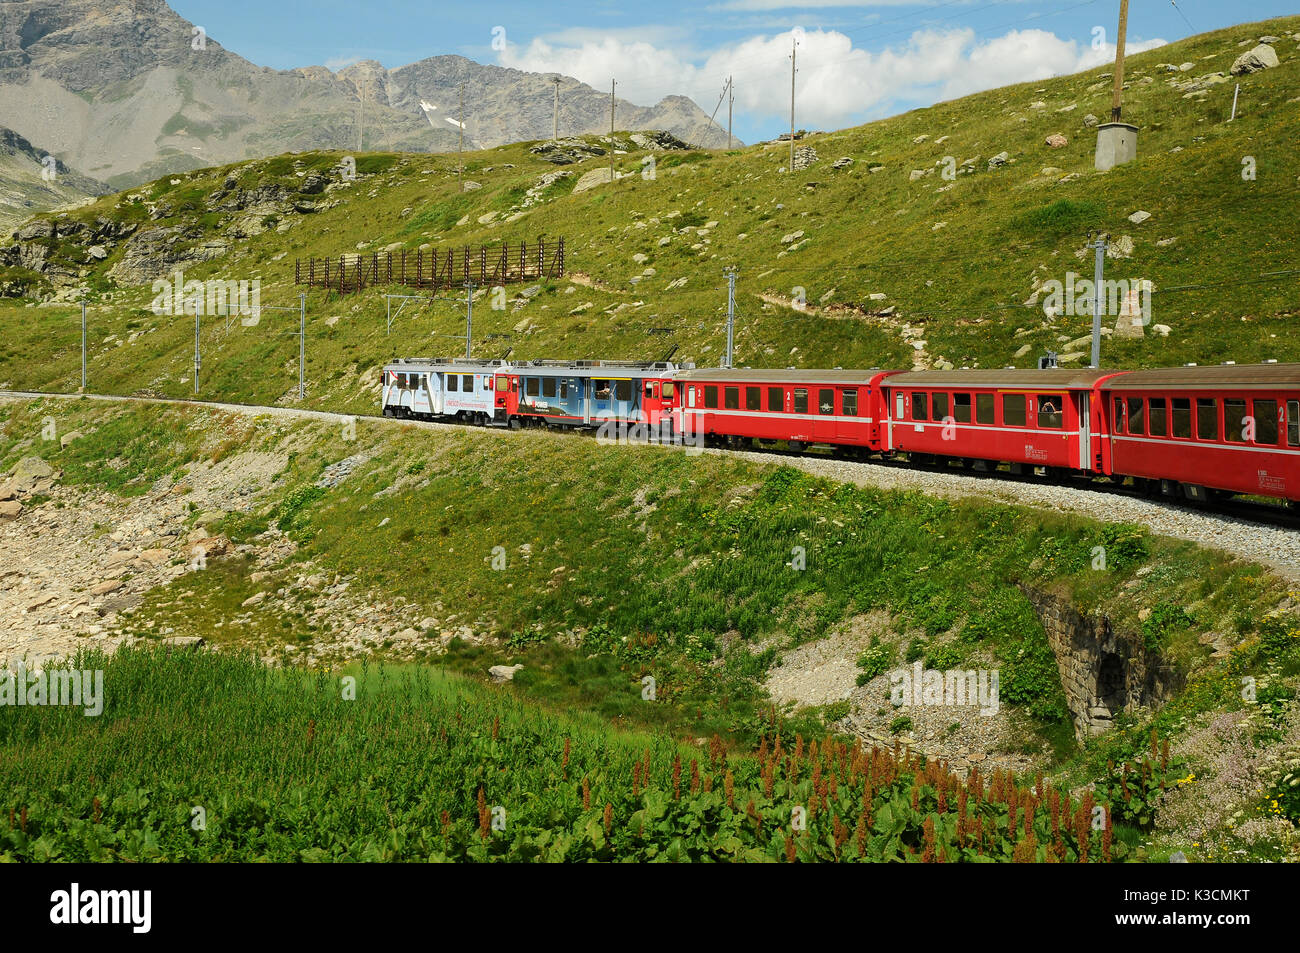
1083,400
824,421
651,409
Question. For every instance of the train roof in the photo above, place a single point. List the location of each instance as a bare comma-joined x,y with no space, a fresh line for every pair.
1245,376
454,365
787,375
1049,377
596,368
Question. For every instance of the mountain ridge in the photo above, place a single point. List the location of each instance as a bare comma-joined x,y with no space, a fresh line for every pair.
131,91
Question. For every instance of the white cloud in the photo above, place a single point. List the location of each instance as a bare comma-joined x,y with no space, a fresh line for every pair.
837,84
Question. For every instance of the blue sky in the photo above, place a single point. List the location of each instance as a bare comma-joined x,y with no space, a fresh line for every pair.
857,61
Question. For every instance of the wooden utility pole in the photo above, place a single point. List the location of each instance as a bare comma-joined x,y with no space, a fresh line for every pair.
794,46
1116,101
611,130
555,123
731,97
460,148
361,113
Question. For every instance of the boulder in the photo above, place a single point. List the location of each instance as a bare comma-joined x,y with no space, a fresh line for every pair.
1056,141
657,141
32,475
1260,58
999,160
590,180
10,509
1121,247
1138,217
1129,326
185,642
210,546
40,228
503,673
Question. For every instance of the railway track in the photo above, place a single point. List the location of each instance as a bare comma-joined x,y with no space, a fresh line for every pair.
1261,532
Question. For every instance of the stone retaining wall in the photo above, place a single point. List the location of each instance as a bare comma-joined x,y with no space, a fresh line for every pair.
1103,671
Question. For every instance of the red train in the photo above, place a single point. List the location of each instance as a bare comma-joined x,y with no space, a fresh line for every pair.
1187,431
1190,431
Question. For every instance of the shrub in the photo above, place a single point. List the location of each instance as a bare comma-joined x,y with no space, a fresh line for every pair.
874,662
1164,619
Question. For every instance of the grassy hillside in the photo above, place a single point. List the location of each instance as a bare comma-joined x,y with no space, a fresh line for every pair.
245,763
956,261
619,563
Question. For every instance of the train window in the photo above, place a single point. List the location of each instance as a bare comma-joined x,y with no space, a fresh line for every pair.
564,390
731,398
690,397
503,383
920,405
622,390
1234,420
801,400
453,382
600,389
669,390
1181,415
776,398
939,403
1266,422
1013,410
1207,418
1050,411
1119,415
1293,423
826,401
961,408
548,386
467,383
1137,419
753,398
649,389
711,395
984,408
900,405
850,400
1158,414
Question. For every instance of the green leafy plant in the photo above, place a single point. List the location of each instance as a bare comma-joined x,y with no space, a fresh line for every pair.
1133,785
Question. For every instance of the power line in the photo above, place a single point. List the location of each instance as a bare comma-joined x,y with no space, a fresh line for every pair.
1183,15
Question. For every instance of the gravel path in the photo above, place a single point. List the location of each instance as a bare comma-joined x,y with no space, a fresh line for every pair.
1274,546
